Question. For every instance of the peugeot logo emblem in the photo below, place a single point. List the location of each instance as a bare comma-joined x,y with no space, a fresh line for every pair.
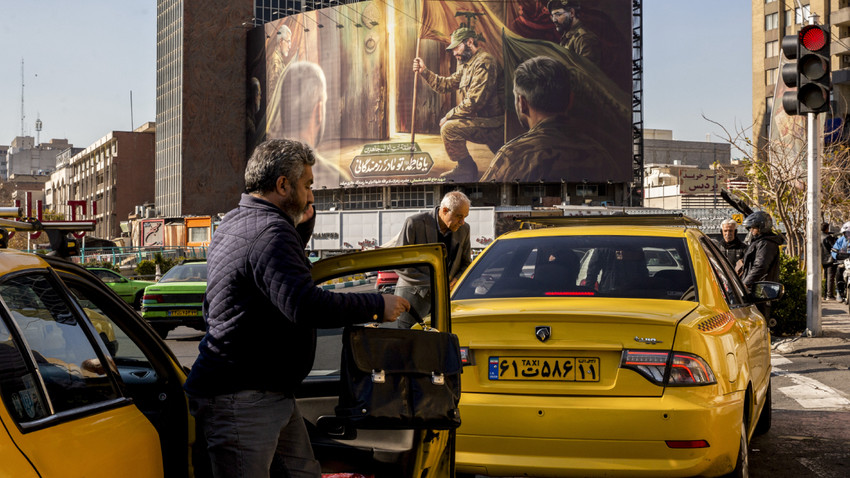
543,332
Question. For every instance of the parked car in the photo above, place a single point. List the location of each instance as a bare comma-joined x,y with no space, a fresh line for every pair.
386,281
128,289
177,298
72,406
614,349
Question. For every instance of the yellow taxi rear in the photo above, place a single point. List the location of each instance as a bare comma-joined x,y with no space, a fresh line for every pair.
578,374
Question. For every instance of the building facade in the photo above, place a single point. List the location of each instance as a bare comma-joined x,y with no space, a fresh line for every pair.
25,157
774,19
200,138
120,161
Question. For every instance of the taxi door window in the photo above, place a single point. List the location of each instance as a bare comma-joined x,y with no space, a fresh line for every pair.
18,382
70,368
729,283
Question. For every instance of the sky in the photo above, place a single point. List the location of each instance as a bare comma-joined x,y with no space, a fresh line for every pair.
83,58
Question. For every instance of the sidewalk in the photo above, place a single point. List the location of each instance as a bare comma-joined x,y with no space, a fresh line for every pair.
832,347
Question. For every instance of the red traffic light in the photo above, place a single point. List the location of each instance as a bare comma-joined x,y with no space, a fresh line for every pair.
812,38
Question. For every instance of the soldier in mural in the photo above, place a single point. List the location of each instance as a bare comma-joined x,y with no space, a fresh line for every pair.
300,115
479,116
551,149
575,37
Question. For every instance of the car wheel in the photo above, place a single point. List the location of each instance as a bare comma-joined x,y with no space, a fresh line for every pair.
742,464
765,418
163,330
137,302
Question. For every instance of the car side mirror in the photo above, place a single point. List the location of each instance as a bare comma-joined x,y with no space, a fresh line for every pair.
767,291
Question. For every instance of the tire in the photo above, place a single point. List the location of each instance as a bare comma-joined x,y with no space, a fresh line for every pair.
766,417
742,463
137,302
162,330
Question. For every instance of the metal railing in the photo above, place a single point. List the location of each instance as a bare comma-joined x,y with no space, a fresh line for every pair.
129,257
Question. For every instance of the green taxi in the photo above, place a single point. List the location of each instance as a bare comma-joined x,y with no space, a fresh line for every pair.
177,299
128,289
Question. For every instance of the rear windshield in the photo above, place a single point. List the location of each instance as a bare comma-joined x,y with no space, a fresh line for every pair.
582,266
186,273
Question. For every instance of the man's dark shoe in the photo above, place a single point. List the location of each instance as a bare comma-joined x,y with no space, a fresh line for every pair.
466,171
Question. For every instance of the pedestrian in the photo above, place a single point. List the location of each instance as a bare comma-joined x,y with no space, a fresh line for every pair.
731,246
839,253
761,259
447,224
261,310
830,265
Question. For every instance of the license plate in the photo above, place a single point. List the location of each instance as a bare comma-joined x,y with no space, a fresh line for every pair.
557,369
182,313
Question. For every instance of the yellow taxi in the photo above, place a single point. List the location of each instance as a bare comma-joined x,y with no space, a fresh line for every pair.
88,388
610,346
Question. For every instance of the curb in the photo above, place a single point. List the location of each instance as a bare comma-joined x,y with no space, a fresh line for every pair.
343,285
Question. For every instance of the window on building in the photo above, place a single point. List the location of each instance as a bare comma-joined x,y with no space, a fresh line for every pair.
769,1
363,198
771,49
411,196
797,16
771,21
199,234
583,190
770,76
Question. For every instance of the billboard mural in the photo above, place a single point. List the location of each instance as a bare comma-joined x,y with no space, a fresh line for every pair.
423,91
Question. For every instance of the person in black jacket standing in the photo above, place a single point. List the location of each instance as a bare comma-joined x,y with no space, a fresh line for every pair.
761,259
261,310
830,265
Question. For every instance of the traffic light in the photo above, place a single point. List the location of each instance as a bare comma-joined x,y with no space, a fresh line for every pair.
810,73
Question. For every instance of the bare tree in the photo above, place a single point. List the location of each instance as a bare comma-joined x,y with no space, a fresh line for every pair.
778,183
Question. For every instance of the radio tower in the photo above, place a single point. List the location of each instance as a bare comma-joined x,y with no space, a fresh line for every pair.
23,117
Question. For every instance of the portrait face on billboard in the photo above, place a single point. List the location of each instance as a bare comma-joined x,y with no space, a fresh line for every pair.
423,91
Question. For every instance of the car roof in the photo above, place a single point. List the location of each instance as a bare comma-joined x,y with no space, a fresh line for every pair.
607,230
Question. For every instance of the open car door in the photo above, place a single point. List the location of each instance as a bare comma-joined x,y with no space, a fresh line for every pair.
339,445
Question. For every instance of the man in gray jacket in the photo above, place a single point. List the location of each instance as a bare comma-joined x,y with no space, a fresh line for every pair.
445,224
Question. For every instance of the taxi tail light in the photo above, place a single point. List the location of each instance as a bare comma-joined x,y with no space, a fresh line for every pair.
465,357
152,298
668,368
687,444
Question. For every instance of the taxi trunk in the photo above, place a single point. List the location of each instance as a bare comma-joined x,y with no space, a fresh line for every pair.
568,346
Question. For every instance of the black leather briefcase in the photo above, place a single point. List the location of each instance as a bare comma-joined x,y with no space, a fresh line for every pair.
399,378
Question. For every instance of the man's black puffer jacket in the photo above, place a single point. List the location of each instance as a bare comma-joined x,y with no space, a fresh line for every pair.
262,307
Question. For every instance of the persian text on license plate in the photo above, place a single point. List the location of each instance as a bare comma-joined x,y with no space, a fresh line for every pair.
559,369
182,313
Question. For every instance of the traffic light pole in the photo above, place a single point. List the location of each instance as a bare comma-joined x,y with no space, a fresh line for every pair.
813,253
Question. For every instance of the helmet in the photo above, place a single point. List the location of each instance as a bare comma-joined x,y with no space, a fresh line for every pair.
761,220
845,227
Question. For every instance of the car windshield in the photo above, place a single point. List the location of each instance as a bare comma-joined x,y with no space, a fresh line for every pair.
582,266
186,273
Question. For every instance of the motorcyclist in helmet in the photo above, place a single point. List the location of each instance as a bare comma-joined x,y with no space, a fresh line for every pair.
839,253
761,259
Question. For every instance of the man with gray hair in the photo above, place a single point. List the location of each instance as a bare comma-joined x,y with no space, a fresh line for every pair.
298,110
552,149
262,310
445,224
732,247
